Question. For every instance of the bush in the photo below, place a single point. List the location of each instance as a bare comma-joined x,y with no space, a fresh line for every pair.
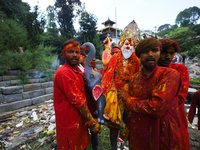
39,58
195,51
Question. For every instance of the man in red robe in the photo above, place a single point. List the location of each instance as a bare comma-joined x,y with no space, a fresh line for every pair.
154,123
169,47
72,114
195,103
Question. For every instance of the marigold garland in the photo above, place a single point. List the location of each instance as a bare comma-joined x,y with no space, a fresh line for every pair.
116,71
122,77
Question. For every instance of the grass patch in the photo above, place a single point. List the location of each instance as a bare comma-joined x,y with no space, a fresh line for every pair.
103,139
195,80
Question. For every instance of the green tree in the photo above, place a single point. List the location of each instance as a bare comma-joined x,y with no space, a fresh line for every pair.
188,16
67,11
51,24
88,27
185,37
164,27
195,51
33,21
195,28
12,34
88,32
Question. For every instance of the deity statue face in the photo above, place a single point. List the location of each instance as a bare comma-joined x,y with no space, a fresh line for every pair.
127,48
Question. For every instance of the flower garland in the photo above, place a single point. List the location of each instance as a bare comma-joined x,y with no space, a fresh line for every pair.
132,67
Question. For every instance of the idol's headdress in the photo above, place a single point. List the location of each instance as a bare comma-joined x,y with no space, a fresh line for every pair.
131,31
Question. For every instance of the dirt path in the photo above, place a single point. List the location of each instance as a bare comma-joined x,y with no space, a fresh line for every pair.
194,138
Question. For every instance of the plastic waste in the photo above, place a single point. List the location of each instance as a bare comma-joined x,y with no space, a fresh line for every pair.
34,115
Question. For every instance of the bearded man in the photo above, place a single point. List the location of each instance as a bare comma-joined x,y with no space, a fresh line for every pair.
152,101
120,67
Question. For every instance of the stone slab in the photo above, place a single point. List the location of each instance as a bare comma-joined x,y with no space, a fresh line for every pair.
13,72
1,98
48,96
49,90
15,82
31,87
12,90
34,80
47,84
15,105
9,77
4,83
38,99
12,98
34,93
43,80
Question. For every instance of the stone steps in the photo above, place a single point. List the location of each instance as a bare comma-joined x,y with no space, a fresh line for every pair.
15,97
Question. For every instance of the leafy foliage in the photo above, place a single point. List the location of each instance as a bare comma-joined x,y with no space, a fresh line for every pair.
88,27
164,27
188,16
88,32
67,11
39,58
195,80
12,34
195,28
33,22
195,51
185,37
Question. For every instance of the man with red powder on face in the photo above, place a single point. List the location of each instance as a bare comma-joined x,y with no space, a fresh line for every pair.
169,47
152,101
72,114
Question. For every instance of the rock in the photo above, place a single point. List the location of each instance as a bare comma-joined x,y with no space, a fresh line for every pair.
4,83
15,82
189,95
34,93
34,80
49,90
12,90
15,105
30,87
39,99
47,84
12,98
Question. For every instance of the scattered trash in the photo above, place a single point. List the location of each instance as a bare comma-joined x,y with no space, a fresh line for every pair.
34,115
19,124
16,130
52,119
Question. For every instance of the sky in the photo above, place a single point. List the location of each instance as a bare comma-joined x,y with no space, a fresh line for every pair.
148,14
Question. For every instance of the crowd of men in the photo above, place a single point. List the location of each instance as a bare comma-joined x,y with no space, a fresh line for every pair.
138,78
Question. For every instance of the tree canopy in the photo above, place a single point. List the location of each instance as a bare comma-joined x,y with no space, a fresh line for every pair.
88,31
188,16
164,27
67,10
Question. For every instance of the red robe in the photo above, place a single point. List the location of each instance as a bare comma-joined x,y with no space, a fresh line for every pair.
182,96
154,122
69,95
194,103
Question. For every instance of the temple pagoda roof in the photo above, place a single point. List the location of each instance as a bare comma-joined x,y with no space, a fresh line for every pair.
108,22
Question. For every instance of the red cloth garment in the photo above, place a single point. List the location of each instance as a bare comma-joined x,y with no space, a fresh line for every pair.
69,95
182,96
153,102
195,103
